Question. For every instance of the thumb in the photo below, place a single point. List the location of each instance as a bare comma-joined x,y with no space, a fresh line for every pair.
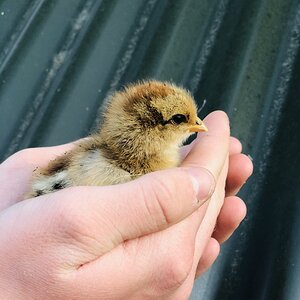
104,217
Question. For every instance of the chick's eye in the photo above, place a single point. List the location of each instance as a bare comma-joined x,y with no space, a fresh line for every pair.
178,119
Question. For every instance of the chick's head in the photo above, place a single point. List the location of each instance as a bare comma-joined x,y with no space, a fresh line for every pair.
155,108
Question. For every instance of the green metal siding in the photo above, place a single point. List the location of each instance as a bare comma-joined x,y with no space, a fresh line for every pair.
60,58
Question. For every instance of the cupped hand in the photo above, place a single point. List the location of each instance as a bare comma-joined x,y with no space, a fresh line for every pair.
146,238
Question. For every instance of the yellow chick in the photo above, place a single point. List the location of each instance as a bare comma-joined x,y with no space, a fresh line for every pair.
142,130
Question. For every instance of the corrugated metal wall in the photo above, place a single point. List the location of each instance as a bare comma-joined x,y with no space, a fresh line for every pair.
59,59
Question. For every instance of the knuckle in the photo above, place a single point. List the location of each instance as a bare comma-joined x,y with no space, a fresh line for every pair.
70,218
25,153
166,197
155,198
162,195
175,270
20,158
21,155
77,223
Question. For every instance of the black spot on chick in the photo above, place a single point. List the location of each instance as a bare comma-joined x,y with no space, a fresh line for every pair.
58,185
38,193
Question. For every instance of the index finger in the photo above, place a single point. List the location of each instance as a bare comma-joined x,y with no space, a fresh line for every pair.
210,149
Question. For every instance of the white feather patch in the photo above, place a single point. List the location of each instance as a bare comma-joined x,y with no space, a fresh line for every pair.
46,183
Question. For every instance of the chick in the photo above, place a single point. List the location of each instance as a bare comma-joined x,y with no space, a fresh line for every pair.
142,129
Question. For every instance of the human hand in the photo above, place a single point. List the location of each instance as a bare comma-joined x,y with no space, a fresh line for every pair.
72,241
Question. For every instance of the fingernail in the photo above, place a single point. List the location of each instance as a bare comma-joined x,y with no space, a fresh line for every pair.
203,183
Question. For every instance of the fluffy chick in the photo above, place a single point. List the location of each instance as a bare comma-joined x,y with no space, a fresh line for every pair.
142,129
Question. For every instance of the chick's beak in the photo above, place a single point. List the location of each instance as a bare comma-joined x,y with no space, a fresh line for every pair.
199,126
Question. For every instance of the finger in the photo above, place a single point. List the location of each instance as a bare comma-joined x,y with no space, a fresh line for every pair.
214,146
240,169
16,171
36,157
208,223
208,257
235,146
231,215
211,149
127,211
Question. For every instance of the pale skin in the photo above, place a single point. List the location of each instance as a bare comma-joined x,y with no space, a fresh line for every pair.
146,239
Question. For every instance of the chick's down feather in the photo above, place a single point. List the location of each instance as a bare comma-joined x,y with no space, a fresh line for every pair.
142,129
